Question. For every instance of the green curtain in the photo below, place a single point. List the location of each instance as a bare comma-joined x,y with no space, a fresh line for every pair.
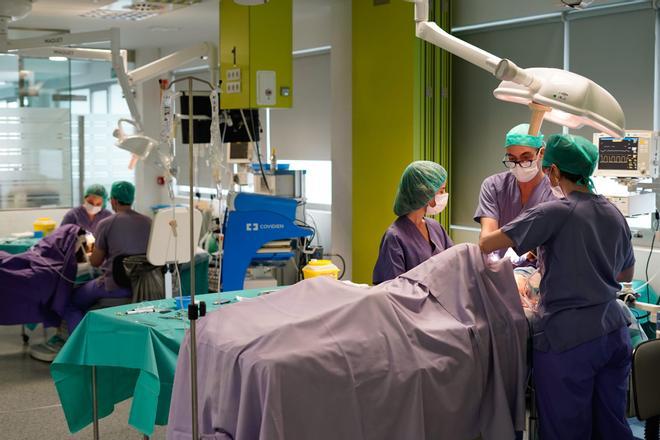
433,100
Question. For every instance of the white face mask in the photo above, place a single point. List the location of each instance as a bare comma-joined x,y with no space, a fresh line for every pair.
558,192
441,201
526,174
93,210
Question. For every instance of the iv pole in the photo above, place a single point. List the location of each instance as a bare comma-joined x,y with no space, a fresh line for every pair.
194,311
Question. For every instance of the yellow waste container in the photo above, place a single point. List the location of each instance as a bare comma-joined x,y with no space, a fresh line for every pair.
320,268
46,225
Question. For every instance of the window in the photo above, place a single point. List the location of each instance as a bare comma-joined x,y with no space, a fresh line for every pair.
35,151
630,82
318,179
594,49
80,103
40,149
100,102
118,104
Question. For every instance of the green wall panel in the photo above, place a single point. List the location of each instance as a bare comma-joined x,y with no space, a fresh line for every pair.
384,66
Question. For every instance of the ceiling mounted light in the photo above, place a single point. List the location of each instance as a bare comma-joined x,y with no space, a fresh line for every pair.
164,29
56,58
13,10
575,101
560,96
137,10
577,4
139,144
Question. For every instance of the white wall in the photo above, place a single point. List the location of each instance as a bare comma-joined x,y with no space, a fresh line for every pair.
303,131
148,192
323,223
641,256
312,23
21,220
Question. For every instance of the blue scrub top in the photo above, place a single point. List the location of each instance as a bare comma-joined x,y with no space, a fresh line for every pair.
586,244
403,247
500,199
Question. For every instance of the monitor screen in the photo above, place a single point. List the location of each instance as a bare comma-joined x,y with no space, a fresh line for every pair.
234,126
618,153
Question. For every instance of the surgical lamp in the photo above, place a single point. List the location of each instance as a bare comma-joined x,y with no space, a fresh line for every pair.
559,96
138,144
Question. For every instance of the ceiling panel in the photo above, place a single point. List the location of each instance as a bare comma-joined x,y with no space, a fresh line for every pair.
191,25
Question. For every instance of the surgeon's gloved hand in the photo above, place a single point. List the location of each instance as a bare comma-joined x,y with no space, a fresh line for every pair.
527,259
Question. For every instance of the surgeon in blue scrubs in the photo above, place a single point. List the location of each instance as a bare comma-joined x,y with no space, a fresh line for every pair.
582,350
413,237
505,195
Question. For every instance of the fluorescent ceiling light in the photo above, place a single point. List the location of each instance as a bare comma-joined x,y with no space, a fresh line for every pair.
58,58
165,29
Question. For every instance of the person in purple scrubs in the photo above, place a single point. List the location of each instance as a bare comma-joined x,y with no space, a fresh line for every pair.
504,196
582,350
92,210
413,237
124,233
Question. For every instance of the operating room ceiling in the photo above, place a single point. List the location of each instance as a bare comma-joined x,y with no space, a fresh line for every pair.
176,29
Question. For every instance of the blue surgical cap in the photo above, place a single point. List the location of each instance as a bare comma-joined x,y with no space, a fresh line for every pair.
123,192
518,135
574,155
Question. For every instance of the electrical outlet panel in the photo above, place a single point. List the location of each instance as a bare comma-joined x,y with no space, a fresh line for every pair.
233,87
234,74
266,87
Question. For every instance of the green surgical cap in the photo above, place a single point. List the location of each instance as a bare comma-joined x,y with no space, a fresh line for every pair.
97,190
419,183
123,192
574,155
518,136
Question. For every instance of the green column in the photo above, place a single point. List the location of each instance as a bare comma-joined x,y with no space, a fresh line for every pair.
433,100
383,121
401,112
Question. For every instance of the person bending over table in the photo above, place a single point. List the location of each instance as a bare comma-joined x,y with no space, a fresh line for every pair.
91,212
582,349
124,233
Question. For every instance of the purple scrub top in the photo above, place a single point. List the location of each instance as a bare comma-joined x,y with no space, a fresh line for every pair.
586,244
125,233
78,216
403,247
499,198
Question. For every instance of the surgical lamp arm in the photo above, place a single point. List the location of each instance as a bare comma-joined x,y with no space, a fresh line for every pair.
170,62
128,80
502,69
